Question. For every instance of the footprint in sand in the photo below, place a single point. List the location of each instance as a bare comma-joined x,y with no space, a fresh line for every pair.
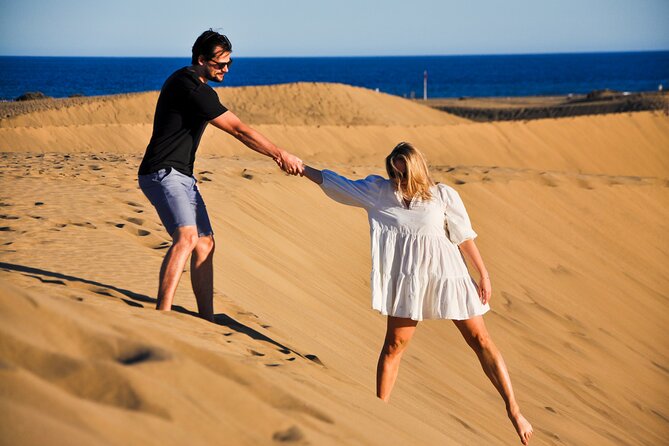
291,435
248,313
584,183
85,224
136,207
548,179
560,270
133,230
314,358
137,354
115,390
103,292
137,221
508,299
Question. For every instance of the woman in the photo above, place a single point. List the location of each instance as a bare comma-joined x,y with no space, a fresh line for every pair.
418,271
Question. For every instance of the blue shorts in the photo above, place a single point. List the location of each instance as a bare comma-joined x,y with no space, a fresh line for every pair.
177,200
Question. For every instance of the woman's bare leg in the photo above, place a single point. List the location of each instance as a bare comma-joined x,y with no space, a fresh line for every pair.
475,333
398,334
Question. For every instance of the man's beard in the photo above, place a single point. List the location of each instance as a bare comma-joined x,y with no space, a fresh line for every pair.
213,78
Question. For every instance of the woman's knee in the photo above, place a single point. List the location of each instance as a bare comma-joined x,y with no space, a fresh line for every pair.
480,341
395,345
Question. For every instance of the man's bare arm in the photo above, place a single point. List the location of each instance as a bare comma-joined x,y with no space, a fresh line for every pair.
254,140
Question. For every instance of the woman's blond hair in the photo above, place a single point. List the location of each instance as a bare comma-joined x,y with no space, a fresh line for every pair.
416,180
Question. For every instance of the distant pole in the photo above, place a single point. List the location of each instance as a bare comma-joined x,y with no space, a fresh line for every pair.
425,85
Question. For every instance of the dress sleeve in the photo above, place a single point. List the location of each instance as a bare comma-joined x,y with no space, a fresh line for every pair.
361,193
457,221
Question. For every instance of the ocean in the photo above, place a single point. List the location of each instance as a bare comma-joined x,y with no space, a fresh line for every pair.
448,76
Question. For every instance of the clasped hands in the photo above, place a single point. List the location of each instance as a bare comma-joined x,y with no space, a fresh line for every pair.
289,163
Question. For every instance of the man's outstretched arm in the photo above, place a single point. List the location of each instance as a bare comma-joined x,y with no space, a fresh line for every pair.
254,140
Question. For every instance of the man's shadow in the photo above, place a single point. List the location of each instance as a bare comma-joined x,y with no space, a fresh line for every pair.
135,298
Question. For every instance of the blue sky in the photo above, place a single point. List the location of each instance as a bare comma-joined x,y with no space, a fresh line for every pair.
332,28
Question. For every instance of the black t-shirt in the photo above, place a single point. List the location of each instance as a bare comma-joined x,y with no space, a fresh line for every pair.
185,105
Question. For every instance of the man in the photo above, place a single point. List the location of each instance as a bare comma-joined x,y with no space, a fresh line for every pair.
185,105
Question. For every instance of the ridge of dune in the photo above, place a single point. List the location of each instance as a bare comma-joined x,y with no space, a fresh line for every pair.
307,103
290,104
619,144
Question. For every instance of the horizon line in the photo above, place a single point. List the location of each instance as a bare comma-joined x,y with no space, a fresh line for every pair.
357,56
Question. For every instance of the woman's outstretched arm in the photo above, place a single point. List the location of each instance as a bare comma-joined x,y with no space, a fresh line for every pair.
472,254
314,175
362,193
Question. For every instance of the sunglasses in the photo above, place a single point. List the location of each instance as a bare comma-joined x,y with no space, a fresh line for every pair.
220,65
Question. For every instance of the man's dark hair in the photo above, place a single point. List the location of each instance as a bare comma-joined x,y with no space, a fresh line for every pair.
206,44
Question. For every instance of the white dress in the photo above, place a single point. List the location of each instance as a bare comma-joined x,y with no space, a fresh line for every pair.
418,271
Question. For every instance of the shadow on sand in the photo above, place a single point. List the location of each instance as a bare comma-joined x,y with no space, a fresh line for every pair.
105,289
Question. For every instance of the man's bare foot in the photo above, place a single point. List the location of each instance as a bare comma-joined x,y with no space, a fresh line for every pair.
523,427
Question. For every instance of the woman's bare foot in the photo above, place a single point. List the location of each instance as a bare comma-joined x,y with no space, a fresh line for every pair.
523,427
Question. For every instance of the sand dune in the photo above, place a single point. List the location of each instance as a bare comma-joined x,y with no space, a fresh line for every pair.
291,104
337,123
572,216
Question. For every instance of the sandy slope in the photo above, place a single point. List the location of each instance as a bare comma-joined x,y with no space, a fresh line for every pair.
291,104
572,216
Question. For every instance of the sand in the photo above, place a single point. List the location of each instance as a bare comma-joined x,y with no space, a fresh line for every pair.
572,221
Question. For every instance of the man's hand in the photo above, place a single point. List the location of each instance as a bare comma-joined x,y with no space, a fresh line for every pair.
231,124
290,163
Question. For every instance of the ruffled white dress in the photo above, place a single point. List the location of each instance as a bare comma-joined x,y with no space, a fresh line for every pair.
418,271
